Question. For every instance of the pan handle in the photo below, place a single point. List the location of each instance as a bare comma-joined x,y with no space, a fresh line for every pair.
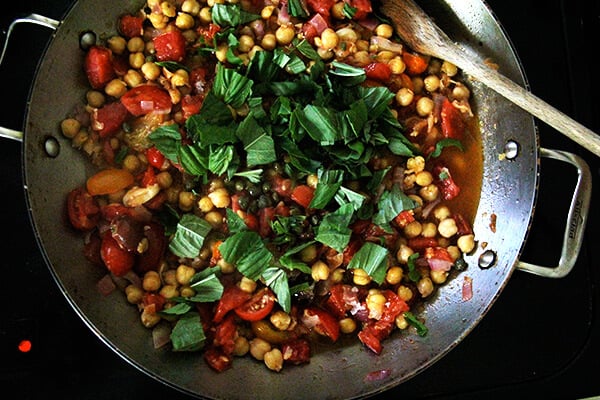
35,19
576,218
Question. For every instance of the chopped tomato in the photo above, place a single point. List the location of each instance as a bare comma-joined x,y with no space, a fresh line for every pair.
282,186
265,216
415,64
109,181
83,210
378,71
208,32
154,300
353,246
98,66
404,218
303,195
217,359
191,104
342,298
131,25
258,306
231,298
464,228
439,259
452,122
109,118
322,7
363,8
144,99
443,179
375,331
296,351
117,260
155,157
216,253
170,46
309,31
321,322
225,334
420,243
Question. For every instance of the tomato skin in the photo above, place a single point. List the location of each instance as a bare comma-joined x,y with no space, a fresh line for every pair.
144,99
191,105
117,260
452,123
155,157
415,63
265,216
131,26
217,359
208,33
322,7
98,66
303,195
363,8
420,243
282,186
375,331
109,181
109,118
443,179
322,322
378,71
82,209
170,46
231,298
258,306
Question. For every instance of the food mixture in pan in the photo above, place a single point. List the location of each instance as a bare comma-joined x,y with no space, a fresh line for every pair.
272,174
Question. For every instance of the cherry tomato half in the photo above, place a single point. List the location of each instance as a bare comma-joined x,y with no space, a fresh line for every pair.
258,307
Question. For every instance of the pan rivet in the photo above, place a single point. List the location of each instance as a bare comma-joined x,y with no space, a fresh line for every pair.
511,149
52,147
487,259
87,40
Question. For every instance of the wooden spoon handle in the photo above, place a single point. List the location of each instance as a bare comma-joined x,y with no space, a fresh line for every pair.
525,99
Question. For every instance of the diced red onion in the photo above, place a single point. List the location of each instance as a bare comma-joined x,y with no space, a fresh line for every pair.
386,44
161,335
319,23
106,285
437,264
467,288
377,375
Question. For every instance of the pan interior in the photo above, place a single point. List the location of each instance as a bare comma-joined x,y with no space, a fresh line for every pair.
506,205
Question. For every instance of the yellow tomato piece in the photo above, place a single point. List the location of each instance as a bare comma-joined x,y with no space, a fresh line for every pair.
109,181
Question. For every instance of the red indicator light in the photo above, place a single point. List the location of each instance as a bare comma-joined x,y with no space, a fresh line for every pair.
24,346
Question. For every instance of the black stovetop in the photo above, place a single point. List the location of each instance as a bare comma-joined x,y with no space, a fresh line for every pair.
541,338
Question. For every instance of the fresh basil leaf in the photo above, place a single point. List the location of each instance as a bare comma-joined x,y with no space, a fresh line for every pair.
321,124
334,231
177,309
276,279
235,223
304,48
345,195
412,319
188,334
373,259
226,15
258,144
288,261
171,66
413,273
253,175
167,139
231,86
247,252
208,288
391,203
190,235
442,144
219,158
297,8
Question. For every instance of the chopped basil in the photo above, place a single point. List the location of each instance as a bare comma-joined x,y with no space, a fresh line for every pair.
421,328
247,252
276,279
392,203
334,231
447,142
190,235
373,259
188,334
231,15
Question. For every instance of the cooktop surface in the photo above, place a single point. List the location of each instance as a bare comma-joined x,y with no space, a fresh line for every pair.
541,338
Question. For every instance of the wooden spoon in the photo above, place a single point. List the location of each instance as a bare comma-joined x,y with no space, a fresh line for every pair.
420,33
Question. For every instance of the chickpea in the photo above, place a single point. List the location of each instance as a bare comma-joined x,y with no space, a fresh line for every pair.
347,325
360,277
413,229
169,277
226,268
164,179
115,88
136,44
394,275
404,292
205,15
149,319
247,285
285,34
376,304
431,83
415,164
220,198
269,41
184,21
150,70
449,69
117,44
397,65
191,7
259,347
184,274
429,192
466,243
403,253
337,10
319,271
401,322
186,200
70,127
429,230
131,163
136,60
438,277
424,106
447,227
241,346
274,360
151,281
346,34
134,294
245,43
404,96
424,178
169,291
309,253
425,286
384,30
267,12
281,320
133,78
441,212
95,98
461,92
337,275
214,218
